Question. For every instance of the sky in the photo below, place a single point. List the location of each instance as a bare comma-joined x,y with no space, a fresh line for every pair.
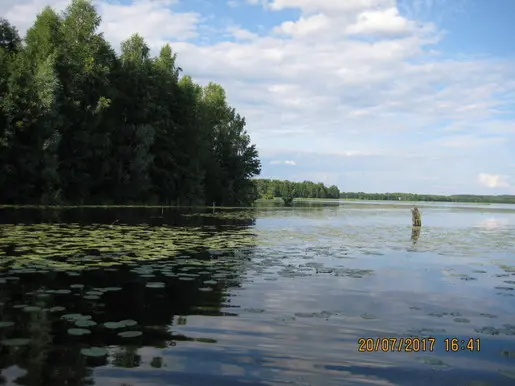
370,95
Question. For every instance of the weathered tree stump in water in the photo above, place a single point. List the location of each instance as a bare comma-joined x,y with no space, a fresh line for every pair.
415,234
416,217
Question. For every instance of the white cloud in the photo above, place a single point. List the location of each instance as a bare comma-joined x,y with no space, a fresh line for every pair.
327,5
354,78
287,162
241,34
154,20
493,180
119,21
387,21
23,13
305,26
467,141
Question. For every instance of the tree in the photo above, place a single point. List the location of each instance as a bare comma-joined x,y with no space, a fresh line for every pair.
79,124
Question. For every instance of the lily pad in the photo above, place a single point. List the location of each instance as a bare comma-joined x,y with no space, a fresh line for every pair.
155,284
57,309
15,342
94,352
128,322
78,331
85,323
74,317
130,334
113,325
432,361
91,297
32,309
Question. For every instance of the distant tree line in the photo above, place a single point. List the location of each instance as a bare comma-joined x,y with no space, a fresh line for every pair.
268,189
501,199
81,124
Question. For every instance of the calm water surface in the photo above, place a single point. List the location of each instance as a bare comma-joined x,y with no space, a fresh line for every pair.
265,296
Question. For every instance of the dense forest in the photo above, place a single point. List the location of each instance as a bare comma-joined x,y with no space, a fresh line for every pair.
501,199
81,124
268,189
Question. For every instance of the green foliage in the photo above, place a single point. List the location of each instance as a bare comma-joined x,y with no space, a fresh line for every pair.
288,190
501,199
82,125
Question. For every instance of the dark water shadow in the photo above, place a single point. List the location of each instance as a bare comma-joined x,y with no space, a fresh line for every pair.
188,217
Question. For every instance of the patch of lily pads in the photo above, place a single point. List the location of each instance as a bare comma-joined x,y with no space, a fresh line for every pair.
75,317
120,324
105,247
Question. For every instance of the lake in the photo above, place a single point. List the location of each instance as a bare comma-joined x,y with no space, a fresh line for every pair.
323,293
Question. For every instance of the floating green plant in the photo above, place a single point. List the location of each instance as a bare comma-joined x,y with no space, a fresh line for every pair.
15,342
85,323
78,331
155,284
94,352
130,334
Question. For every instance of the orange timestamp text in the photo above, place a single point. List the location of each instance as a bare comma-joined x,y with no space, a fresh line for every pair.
416,344
384,344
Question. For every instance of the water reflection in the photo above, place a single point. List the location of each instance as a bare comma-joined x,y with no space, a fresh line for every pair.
157,216
493,223
231,300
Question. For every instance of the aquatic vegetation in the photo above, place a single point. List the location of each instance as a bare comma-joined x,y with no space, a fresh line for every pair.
75,317
156,284
85,323
15,342
130,334
94,352
32,309
78,331
120,324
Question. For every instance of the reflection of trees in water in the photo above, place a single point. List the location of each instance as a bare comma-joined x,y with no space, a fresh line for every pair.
42,362
54,356
129,215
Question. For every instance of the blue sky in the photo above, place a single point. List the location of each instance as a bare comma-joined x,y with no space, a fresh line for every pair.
370,95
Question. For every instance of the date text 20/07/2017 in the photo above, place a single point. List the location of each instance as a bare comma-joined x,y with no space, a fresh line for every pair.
416,344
